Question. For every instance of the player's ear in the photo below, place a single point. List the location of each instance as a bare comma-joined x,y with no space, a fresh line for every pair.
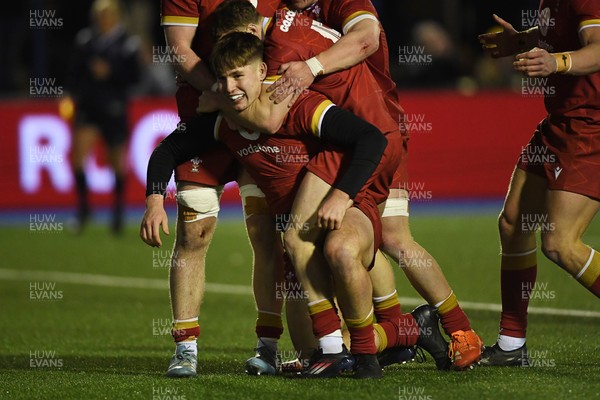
263,71
254,29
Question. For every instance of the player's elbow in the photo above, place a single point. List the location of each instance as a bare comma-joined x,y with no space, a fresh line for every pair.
369,43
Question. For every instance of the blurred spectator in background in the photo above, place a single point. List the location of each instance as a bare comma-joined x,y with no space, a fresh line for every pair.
105,66
36,52
432,60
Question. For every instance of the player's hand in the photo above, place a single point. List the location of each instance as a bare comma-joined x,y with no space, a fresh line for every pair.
207,102
332,211
154,217
295,79
536,62
501,44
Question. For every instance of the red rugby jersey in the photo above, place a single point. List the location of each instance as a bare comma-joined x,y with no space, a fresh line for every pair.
276,162
295,36
341,15
197,13
561,22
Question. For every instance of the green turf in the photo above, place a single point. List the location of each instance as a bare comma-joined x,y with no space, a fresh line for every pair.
102,343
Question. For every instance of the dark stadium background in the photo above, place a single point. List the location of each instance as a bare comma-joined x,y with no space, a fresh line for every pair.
468,113
88,316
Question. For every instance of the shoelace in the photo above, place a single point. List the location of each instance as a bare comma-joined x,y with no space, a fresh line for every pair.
460,342
184,355
420,356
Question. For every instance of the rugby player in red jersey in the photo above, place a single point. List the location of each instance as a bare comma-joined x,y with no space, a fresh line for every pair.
364,39
199,186
249,147
560,193
355,90
296,36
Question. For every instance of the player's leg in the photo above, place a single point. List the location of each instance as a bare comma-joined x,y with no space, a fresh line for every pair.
300,330
518,268
197,210
426,276
116,156
397,334
386,305
349,252
303,243
84,139
267,277
298,321
569,215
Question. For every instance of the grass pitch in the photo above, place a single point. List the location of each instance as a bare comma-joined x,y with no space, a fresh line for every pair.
63,338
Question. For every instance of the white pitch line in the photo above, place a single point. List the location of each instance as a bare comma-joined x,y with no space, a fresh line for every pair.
111,280
162,284
472,305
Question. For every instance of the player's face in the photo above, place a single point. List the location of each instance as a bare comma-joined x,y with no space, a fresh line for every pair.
299,4
243,85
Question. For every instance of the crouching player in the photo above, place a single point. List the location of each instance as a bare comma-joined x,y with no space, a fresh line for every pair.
346,238
354,89
254,148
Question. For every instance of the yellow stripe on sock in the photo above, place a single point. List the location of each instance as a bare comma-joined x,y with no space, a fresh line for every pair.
185,325
380,333
320,306
267,319
592,270
360,322
516,262
387,303
450,303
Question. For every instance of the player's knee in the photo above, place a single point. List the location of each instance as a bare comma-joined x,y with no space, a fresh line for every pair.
507,225
556,247
342,256
196,236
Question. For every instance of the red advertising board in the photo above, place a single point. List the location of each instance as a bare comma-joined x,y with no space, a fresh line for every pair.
461,147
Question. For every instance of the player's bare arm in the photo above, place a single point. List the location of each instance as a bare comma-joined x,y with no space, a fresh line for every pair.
191,67
261,115
361,40
509,41
585,61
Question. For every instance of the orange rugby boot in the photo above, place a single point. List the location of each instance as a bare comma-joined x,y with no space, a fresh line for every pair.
465,349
